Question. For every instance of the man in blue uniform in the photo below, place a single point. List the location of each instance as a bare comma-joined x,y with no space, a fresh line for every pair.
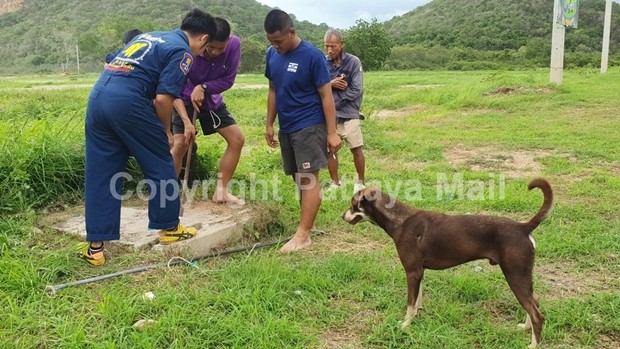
128,113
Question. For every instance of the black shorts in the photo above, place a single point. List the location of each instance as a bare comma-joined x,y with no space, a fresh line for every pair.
210,121
304,151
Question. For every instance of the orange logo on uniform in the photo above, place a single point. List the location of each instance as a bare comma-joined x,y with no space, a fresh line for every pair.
186,63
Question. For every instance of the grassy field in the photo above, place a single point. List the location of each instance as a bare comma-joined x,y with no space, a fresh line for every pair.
456,142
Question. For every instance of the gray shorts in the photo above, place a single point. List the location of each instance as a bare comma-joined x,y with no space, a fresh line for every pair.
210,122
304,151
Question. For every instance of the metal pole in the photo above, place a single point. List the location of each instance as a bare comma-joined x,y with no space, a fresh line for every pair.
51,290
557,46
606,34
77,55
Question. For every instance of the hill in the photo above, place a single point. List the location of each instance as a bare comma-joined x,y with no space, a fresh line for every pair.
517,28
37,35
496,24
43,33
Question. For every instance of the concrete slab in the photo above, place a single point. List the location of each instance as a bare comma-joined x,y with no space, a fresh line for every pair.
217,224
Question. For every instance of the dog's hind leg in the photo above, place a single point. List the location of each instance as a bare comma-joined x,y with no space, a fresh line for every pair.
414,296
527,324
520,282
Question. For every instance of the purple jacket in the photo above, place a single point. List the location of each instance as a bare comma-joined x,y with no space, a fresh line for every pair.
219,73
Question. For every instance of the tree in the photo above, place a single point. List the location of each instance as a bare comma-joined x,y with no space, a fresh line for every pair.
369,42
252,55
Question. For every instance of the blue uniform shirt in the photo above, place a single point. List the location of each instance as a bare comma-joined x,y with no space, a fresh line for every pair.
153,63
297,75
110,56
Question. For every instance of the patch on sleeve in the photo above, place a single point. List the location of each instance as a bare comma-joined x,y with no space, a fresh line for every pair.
186,63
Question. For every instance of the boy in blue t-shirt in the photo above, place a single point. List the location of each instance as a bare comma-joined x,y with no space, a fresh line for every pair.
300,95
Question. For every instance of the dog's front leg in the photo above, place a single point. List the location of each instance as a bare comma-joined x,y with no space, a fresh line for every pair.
414,296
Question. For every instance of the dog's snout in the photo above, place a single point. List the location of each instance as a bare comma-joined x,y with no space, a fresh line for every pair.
353,217
346,216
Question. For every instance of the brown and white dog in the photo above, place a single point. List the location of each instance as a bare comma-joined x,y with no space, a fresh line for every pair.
432,240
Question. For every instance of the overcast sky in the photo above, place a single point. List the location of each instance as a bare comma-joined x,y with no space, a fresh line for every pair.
343,13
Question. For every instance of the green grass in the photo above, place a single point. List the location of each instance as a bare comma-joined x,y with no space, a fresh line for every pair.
348,290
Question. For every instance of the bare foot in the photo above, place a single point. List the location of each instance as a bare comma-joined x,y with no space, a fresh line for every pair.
226,198
296,243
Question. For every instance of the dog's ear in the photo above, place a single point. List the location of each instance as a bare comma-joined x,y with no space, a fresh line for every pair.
367,194
359,195
372,194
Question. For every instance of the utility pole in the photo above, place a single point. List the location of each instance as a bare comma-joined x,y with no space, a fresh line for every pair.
606,34
77,57
557,46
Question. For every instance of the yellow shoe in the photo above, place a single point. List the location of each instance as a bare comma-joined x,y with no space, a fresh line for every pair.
97,259
181,233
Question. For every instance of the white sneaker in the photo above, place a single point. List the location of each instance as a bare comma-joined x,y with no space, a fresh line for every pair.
358,186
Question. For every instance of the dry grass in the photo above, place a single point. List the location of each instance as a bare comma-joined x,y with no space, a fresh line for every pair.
566,281
350,335
398,113
505,90
343,242
512,162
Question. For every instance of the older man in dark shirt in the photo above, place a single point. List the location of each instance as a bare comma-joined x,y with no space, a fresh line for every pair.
346,73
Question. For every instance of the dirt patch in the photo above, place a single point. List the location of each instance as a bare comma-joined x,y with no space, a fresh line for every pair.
512,163
421,86
613,167
397,113
609,341
479,112
7,6
250,86
349,335
567,281
51,87
505,90
343,242
62,87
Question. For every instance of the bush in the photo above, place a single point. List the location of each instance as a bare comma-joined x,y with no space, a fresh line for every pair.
44,164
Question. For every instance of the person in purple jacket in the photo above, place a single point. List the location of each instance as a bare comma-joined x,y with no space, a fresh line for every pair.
214,72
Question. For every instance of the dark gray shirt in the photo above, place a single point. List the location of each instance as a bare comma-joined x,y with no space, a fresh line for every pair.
349,101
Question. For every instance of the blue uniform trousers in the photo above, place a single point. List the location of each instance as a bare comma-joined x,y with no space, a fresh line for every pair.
121,121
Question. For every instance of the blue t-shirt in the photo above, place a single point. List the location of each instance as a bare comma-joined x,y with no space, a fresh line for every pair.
152,63
297,75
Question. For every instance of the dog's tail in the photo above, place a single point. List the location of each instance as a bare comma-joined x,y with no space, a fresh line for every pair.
547,205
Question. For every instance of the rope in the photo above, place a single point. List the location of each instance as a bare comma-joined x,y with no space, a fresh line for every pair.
214,116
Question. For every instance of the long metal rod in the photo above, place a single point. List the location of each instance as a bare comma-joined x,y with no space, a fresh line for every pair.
52,289
188,165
